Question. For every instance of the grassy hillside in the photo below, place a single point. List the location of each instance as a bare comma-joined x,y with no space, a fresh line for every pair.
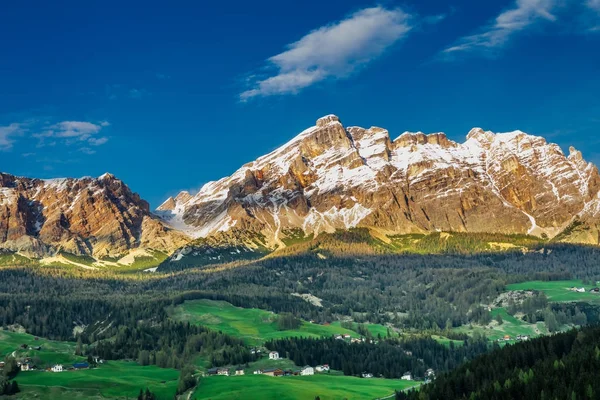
510,326
327,387
559,291
253,325
114,379
52,352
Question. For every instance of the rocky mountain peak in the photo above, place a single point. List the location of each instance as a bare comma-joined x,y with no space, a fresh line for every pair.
326,120
330,177
92,216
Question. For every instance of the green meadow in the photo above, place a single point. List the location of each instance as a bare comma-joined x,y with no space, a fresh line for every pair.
327,387
52,352
376,330
253,325
510,326
113,379
559,290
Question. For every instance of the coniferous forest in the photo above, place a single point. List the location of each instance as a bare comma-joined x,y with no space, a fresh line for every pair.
563,366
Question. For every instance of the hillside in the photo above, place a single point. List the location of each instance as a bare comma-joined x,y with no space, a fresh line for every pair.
563,366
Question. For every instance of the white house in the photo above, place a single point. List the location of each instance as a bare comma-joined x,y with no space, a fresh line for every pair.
26,366
239,371
273,355
258,372
407,376
322,368
367,375
307,370
57,368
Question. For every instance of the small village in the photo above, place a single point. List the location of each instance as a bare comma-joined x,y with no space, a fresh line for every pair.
29,363
307,370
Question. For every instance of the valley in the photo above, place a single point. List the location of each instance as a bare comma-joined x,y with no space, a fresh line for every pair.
375,257
251,301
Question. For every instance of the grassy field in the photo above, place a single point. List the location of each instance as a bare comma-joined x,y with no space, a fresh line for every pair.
327,387
559,290
52,352
446,342
251,324
114,379
511,326
374,329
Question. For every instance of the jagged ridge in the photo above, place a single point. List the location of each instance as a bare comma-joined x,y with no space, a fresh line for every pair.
89,216
330,177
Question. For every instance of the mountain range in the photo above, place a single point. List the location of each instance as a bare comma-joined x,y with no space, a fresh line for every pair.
327,178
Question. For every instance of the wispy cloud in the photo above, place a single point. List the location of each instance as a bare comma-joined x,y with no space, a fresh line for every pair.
333,51
8,134
594,5
525,14
72,133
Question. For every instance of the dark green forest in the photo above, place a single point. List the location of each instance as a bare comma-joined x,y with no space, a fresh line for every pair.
126,316
562,366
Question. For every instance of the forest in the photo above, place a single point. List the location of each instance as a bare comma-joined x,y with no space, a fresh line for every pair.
562,366
388,358
126,316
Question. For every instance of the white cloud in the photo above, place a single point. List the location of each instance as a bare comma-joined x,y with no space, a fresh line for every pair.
594,25
97,141
87,150
332,51
75,129
71,133
7,134
523,15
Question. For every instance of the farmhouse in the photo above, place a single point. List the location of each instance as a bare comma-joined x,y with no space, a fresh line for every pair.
307,370
26,366
338,337
57,368
407,376
258,372
273,372
595,290
239,371
322,368
273,355
346,336
367,375
223,371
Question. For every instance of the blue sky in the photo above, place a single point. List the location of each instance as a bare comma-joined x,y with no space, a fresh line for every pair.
168,96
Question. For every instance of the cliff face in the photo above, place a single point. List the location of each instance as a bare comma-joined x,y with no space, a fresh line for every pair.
331,177
99,217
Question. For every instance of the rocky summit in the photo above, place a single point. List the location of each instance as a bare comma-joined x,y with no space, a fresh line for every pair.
334,177
99,217
329,177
